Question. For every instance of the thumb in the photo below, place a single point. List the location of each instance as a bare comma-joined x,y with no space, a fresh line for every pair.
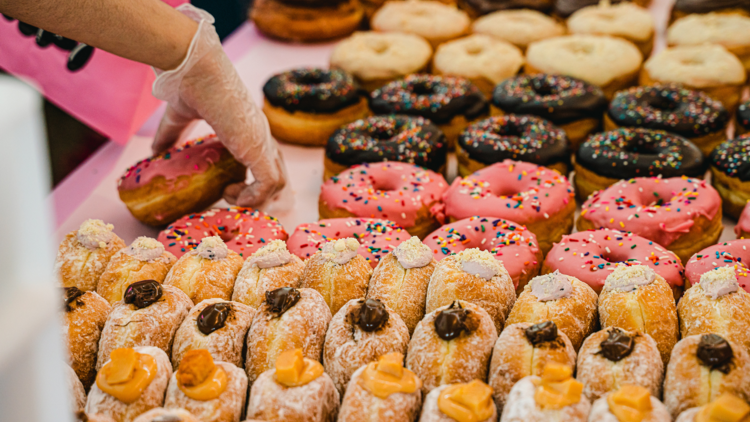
170,128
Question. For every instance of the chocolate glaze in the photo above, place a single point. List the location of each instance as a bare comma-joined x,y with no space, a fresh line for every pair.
626,153
280,300
565,8
520,138
213,317
312,90
542,332
706,6
559,99
143,293
70,295
451,322
483,7
732,158
617,346
413,140
671,108
715,352
370,315
438,98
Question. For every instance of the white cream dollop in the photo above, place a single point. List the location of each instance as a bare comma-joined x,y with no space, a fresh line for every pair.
95,234
479,263
628,278
340,251
144,249
413,253
719,282
212,248
274,254
551,286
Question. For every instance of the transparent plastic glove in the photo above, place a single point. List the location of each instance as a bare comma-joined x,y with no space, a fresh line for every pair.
207,86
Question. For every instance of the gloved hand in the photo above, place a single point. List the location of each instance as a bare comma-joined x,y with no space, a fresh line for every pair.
207,86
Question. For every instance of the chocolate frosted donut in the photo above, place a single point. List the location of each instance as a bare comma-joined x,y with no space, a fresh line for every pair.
559,99
684,7
312,90
730,173
483,7
406,139
520,138
743,118
626,153
691,114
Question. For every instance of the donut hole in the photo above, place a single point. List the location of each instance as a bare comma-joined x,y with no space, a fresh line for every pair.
226,236
423,88
542,87
384,185
692,61
582,49
310,79
662,103
379,47
510,131
474,50
382,132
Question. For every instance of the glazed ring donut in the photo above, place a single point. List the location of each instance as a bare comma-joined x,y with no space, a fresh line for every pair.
730,173
728,29
625,153
683,8
510,243
591,256
569,103
681,214
735,253
710,68
625,20
402,193
519,27
483,7
690,114
512,137
434,21
449,102
376,237
406,139
536,197
609,63
305,106
244,230
565,8
376,58
306,21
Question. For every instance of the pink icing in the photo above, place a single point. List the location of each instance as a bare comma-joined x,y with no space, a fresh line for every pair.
510,243
244,230
193,157
592,255
743,225
662,210
735,253
389,190
513,190
376,237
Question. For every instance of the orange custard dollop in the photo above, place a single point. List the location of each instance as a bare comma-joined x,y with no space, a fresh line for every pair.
557,388
470,402
388,376
294,370
726,408
199,378
631,403
126,374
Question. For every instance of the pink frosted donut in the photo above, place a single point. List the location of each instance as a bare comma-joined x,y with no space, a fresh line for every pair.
244,230
735,253
399,192
376,237
742,229
510,243
592,255
667,211
537,197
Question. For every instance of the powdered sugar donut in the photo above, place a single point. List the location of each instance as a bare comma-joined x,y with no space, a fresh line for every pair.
512,244
244,230
535,196
399,192
735,253
376,237
681,214
591,256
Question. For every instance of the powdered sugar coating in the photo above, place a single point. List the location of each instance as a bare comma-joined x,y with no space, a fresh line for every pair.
152,396
203,277
431,412
337,283
75,389
599,375
225,408
347,347
361,405
155,413
302,326
253,282
437,362
600,412
225,344
523,408
132,264
77,265
154,325
81,330
316,401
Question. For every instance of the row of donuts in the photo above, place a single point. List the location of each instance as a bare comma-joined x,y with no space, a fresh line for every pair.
301,320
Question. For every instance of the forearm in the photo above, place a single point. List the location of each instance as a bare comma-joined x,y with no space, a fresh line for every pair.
147,31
